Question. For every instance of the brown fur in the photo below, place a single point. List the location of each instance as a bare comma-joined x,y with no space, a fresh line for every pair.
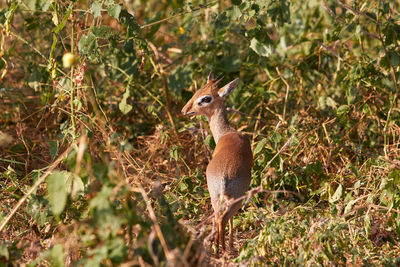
229,171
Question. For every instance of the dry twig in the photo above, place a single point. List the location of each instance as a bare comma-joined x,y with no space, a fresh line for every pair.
33,188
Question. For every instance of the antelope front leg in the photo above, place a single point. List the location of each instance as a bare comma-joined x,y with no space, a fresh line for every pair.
216,230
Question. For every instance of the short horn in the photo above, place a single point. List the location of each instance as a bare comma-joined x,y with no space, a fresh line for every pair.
210,77
218,80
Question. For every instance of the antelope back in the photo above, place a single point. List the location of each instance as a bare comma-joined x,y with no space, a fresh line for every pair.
231,161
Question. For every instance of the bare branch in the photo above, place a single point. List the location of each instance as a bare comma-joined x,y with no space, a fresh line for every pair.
33,188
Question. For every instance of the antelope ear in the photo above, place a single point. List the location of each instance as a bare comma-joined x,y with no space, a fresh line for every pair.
228,89
210,77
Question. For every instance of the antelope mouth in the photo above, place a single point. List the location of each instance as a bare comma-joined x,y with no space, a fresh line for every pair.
189,113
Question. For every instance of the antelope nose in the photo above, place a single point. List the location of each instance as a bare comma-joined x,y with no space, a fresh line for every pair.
184,110
187,112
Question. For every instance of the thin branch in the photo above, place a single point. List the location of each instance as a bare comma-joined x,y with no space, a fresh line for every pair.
157,227
331,51
247,115
177,15
393,73
357,12
33,188
279,152
395,163
247,197
160,71
286,95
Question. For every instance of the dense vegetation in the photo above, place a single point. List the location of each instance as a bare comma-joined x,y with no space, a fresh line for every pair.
99,168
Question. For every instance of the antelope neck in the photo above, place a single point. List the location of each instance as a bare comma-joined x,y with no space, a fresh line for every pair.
219,124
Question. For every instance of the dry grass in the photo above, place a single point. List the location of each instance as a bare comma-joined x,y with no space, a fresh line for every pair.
325,188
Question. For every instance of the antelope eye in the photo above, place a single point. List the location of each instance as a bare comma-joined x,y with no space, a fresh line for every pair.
206,99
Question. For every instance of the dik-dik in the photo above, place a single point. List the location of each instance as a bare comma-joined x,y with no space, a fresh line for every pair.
229,171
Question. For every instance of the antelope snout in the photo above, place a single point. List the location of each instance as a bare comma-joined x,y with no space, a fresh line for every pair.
186,110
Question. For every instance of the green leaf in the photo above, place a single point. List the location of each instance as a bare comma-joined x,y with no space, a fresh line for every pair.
103,31
342,110
234,13
180,79
101,200
42,5
395,176
95,8
64,20
330,102
251,13
123,105
394,59
117,249
276,137
4,252
314,168
260,146
322,102
151,31
58,184
174,152
87,43
222,22
31,4
65,83
53,149
130,21
383,184
38,208
350,205
245,5
279,11
260,48
9,16
57,256
114,10
387,197
337,195
183,187
367,223
229,64
210,141
34,80
78,187
357,185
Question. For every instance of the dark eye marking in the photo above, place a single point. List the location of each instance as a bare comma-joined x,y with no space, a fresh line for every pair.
205,100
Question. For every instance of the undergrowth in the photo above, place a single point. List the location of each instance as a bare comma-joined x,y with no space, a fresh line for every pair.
99,168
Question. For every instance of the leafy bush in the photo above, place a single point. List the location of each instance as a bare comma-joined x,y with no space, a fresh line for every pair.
92,93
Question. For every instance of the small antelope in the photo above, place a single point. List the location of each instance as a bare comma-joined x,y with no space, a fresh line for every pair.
229,171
